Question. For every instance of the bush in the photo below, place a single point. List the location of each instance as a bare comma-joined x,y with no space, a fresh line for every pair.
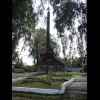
81,70
69,70
68,74
85,69
26,69
18,70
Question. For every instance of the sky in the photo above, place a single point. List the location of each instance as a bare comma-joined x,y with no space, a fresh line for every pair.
24,55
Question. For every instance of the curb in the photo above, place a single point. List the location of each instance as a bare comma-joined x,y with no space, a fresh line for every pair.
35,90
45,91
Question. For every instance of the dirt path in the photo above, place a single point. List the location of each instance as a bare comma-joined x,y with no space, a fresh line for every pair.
14,80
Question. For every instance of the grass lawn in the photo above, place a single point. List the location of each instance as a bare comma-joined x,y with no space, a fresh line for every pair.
55,85
44,80
30,96
31,73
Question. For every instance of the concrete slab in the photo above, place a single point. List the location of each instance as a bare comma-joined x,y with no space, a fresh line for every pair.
35,90
78,86
81,79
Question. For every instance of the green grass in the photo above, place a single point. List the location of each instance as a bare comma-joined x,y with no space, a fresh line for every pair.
55,85
30,73
31,96
74,73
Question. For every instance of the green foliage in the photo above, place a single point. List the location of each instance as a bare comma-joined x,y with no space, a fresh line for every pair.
38,41
85,69
25,16
16,62
67,12
69,70
35,68
75,62
23,21
80,69
16,70
15,58
49,81
59,75
46,80
28,69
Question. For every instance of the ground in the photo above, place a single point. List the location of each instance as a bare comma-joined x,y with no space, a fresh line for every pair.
79,86
20,75
79,83
66,96
49,81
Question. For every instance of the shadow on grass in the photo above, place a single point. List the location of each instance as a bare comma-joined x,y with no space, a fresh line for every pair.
31,96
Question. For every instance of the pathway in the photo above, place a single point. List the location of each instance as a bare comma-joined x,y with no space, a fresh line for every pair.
14,80
79,85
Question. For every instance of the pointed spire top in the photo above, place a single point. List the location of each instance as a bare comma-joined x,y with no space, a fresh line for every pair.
48,9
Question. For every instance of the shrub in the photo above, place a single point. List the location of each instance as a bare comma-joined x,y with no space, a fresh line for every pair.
85,69
68,74
48,81
69,70
18,70
27,69
64,79
81,70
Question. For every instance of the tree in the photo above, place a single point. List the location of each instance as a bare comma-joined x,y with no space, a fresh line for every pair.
24,21
25,16
76,62
16,61
67,12
38,41
55,46
72,62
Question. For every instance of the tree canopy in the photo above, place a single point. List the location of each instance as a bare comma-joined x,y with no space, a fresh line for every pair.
25,18
23,21
67,13
38,41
